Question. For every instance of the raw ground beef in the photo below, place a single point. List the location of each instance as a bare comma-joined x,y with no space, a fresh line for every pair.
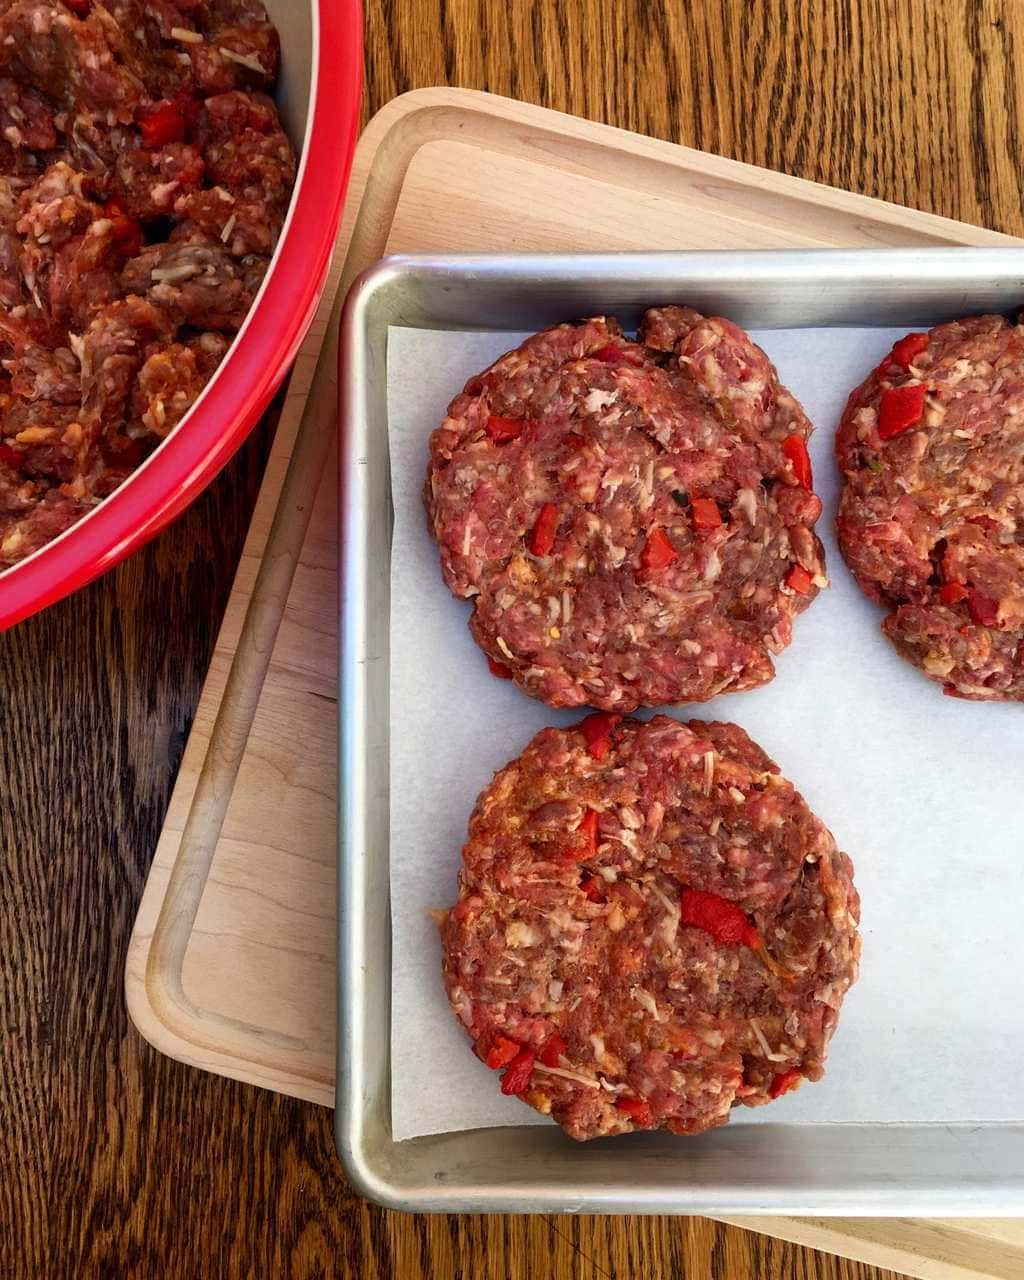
931,521
652,927
144,181
632,520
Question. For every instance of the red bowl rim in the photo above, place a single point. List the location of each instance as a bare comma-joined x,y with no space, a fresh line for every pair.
260,355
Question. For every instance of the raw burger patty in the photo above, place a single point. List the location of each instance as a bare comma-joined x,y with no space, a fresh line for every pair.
633,520
932,515
652,927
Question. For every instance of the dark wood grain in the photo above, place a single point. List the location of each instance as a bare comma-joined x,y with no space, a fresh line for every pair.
115,1162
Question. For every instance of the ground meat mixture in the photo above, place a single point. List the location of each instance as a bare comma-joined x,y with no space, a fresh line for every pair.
931,522
633,520
652,927
144,181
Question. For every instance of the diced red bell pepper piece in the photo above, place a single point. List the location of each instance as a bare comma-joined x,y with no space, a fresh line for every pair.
907,348
724,920
501,1052
573,440
795,449
611,353
984,611
799,580
728,925
162,124
705,513
126,232
542,538
80,8
593,888
587,831
597,730
502,430
11,456
899,409
952,592
553,1050
658,552
637,1110
516,1079
784,1082
498,669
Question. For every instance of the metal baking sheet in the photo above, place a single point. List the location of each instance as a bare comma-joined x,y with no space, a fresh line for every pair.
765,1168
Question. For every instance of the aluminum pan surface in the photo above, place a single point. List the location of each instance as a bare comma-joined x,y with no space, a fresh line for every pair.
773,1168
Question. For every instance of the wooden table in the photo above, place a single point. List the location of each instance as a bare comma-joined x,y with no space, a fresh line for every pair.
115,1162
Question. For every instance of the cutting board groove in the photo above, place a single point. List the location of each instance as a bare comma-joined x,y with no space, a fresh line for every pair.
231,965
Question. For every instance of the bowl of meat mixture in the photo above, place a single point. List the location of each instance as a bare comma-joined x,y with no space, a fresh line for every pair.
171,180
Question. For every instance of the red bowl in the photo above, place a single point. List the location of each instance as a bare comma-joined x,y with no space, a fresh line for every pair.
262,352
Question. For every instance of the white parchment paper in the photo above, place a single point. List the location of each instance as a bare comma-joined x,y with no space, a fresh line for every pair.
924,792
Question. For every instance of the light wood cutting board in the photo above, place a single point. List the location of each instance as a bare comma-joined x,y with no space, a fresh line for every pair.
231,965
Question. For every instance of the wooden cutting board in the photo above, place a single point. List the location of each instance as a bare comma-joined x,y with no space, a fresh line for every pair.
231,965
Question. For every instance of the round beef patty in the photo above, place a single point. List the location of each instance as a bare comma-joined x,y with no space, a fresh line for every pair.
632,520
652,927
931,520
